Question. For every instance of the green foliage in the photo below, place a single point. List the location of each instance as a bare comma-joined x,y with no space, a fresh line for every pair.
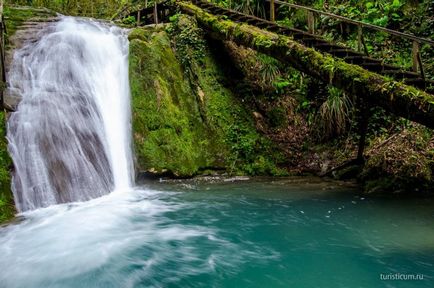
253,7
268,70
405,160
292,17
248,149
382,12
281,84
188,41
297,82
336,109
334,113
91,8
130,20
7,209
401,15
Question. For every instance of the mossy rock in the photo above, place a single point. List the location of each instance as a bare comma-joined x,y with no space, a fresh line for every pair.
168,133
185,120
17,16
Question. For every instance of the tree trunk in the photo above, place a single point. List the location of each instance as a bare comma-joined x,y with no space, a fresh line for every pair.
395,97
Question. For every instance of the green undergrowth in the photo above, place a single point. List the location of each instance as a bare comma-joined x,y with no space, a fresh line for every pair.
94,8
7,208
185,118
405,161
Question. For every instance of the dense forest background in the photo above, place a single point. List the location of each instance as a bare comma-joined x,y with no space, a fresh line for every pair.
95,8
316,124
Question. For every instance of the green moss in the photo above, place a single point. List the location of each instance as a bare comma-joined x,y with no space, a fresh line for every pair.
400,99
249,152
163,127
188,42
402,164
184,119
16,16
7,209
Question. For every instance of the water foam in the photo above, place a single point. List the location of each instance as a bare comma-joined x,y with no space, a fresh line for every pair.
70,136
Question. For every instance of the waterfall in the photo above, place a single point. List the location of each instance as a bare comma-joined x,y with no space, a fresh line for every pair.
70,136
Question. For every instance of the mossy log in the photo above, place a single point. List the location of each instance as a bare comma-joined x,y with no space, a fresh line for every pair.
371,88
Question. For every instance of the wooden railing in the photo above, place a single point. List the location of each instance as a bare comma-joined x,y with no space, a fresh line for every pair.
312,14
155,13
159,11
145,14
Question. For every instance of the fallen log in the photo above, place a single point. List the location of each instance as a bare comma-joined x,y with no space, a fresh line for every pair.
373,89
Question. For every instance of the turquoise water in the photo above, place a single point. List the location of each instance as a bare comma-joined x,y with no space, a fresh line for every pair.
284,233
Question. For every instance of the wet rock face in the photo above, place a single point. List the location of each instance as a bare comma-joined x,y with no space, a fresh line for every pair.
28,22
69,137
23,31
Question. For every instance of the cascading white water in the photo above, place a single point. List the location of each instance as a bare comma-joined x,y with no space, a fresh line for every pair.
70,136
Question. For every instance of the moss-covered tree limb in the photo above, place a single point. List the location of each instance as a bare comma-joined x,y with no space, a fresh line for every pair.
395,97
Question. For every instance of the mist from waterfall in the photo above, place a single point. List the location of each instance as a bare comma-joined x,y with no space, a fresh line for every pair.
70,136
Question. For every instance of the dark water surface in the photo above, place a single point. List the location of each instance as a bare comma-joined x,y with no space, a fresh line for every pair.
296,232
